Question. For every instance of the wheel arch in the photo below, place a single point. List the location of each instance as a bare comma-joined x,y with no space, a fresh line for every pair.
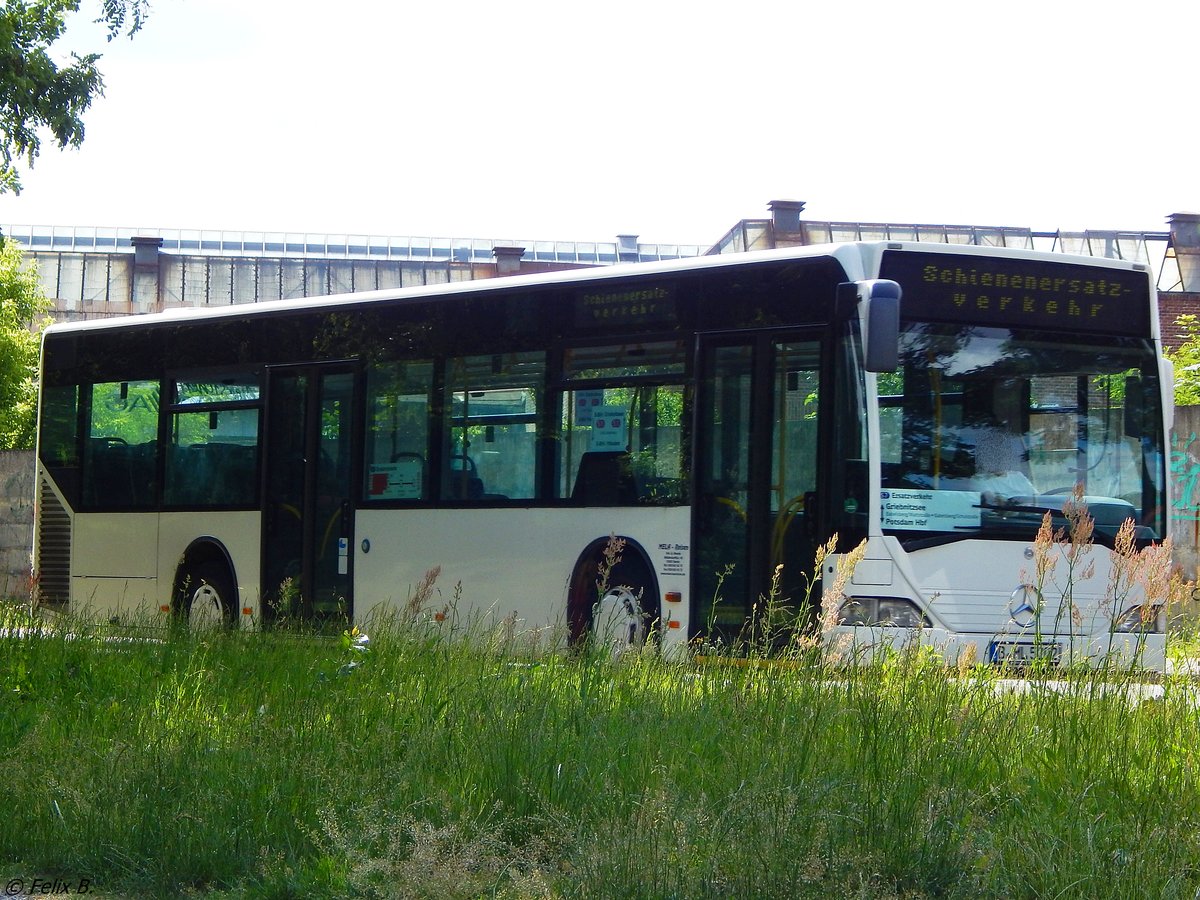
581,590
201,551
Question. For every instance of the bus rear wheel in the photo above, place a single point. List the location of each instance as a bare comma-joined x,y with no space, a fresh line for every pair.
619,619
625,614
206,598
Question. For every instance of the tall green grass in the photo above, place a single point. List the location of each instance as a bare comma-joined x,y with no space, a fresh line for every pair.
459,762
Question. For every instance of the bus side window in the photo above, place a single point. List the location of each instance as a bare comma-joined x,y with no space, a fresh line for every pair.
491,440
397,436
624,403
59,438
627,437
212,453
121,453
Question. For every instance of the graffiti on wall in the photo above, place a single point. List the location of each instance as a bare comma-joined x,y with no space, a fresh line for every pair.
1185,474
1185,489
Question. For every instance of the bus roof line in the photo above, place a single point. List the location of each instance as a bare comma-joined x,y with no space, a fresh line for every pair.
855,257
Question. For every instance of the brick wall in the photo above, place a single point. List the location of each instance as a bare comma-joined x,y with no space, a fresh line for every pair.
1170,307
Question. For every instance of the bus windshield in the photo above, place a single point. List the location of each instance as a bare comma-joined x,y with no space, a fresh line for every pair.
983,430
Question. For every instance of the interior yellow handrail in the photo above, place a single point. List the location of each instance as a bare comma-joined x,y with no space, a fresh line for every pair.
783,521
734,505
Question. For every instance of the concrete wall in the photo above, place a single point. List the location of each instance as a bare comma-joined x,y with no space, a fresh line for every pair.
16,521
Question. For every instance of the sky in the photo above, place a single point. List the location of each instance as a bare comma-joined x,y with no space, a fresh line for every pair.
670,120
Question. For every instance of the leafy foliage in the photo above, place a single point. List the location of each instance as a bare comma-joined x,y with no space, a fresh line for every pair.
22,302
36,91
1187,361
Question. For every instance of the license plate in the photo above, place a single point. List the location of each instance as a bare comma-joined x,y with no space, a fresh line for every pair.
1022,653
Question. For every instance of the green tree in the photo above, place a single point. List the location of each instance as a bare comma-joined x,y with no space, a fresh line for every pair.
36,92
1187,361
22,305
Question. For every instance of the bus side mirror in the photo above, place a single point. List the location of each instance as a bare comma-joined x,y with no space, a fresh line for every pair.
881,341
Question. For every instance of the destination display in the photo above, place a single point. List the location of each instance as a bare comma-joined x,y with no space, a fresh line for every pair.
945,287
906,509
648,305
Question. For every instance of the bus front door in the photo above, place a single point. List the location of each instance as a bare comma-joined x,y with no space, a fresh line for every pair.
758,457
308,517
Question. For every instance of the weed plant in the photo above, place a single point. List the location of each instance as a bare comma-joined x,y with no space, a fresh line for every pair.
448,758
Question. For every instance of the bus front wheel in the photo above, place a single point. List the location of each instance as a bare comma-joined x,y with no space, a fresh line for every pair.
207,597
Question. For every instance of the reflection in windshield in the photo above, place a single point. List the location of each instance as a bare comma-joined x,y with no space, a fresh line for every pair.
986,428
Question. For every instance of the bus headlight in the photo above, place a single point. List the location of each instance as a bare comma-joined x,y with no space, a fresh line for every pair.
1145,618
895,612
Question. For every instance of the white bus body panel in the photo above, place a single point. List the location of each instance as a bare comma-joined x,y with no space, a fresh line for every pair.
507,560
512,560
114,567
1076,613
125,564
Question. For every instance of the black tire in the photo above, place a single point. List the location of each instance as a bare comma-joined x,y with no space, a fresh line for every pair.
207,597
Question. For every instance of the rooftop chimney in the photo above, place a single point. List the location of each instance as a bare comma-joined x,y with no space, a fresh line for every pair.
508,259
1185,240
785,215
145,251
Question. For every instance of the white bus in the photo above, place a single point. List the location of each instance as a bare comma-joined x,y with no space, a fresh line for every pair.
724,415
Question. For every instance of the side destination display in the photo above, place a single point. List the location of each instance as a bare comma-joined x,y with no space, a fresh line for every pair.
945,287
